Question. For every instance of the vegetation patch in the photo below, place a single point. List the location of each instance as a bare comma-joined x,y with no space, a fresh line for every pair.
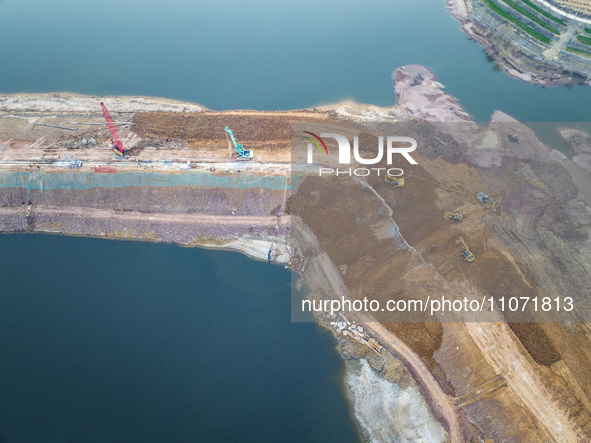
530,31
545,13
578,51
588,31
534,18
584,40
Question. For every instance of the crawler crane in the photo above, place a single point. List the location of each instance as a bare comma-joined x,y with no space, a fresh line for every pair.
116,143
244,154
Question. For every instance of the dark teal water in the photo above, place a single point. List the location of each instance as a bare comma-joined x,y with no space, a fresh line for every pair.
108,341
259,54
116,341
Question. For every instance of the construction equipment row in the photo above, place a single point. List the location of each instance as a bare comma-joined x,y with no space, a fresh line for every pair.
455,217
117,144
365,340
357,333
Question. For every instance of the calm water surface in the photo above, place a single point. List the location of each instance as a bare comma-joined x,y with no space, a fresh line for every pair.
119,341
109,341
259,54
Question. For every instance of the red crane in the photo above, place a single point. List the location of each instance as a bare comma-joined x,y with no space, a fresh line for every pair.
117,145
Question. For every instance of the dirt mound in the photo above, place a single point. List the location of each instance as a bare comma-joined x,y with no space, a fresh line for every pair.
208,127
537,343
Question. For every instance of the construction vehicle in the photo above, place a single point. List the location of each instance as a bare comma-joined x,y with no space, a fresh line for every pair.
244,154
483,198
394,181
466,253
116,143
73,162
454,216
28,213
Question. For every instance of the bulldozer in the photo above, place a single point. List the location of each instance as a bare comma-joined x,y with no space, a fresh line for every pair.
454,216
466,253
395,182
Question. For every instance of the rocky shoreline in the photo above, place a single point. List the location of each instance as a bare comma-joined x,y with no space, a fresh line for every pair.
517,55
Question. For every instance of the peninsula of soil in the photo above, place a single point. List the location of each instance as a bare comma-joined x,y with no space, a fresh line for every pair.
512,381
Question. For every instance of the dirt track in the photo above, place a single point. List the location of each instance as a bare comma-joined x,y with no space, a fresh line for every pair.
192,219
439,400
441,403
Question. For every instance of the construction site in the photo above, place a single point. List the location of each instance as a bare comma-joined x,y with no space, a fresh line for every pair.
507,219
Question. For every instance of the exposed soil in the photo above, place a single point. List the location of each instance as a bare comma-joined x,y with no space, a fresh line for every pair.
349,221
503,377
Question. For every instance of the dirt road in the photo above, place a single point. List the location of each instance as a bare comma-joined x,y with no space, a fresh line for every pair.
498,346
442,404
194,219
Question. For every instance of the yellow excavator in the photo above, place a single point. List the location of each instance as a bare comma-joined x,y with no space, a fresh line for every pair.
466,253
396,182
454,216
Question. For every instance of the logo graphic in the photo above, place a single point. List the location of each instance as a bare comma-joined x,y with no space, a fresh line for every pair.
315,142
345,148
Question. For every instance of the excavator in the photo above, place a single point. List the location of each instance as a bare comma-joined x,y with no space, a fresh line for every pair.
466,253
116,143
454,216
28,213
395,182
242,153
483,198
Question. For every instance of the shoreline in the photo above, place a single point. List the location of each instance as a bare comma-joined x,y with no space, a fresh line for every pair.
254,249
71,102
512,59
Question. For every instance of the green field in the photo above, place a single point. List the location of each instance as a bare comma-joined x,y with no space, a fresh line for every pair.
531,16
584,40
544,13
578,51
588,31
532,32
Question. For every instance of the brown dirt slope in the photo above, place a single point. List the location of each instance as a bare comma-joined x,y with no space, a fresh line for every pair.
348,220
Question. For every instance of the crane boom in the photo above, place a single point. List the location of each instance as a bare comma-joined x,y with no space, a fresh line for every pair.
242,153
237,145
117,145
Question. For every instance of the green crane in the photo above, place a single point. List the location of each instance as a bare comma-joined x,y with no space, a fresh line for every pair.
242,153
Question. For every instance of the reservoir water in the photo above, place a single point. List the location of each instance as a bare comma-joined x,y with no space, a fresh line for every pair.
110,341
125,341
259,54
